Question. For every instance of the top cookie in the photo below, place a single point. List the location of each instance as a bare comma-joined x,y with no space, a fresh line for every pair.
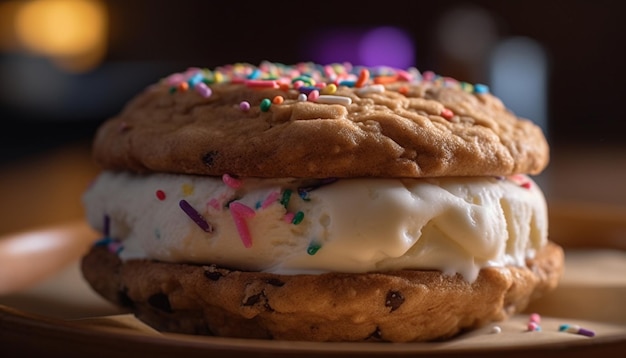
318,121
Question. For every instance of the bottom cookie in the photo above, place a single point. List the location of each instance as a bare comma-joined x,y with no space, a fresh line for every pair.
398,306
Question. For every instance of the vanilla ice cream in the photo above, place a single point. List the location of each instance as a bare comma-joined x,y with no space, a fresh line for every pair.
294,226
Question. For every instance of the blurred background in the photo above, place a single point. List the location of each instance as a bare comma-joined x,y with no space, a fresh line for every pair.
67,65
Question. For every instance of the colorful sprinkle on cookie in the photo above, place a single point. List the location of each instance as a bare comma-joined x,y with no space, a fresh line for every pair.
447,113
265,104
244,106
307,78
480,88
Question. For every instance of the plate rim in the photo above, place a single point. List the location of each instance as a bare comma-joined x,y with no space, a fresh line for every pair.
14,322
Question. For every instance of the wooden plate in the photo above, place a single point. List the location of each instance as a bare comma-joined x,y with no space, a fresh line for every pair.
60,316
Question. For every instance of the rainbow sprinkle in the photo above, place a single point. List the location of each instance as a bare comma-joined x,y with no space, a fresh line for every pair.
214,203
244,106
533,327
284,200
271,198
278,100
187,189
480,88
377,88
113,246
331,99
231,181
329,89
261,83
535,317
314,95
203,90
265,104
533,322
195,216
313,248
240,213
160,194
297,218
447,113
520,180
572,328
364,76
314,82
288,218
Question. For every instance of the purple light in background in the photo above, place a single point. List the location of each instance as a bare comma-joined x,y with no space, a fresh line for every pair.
387,46
334,46
381,46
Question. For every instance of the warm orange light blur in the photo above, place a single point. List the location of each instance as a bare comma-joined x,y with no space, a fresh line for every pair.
72,32
8,11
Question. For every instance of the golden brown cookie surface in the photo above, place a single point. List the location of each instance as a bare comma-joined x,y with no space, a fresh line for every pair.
408,126
398,306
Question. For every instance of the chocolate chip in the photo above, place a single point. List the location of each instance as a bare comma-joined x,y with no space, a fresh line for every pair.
394,300
375,336
213,275
252,300
160,301
209,158
258,298
275,282
123,299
